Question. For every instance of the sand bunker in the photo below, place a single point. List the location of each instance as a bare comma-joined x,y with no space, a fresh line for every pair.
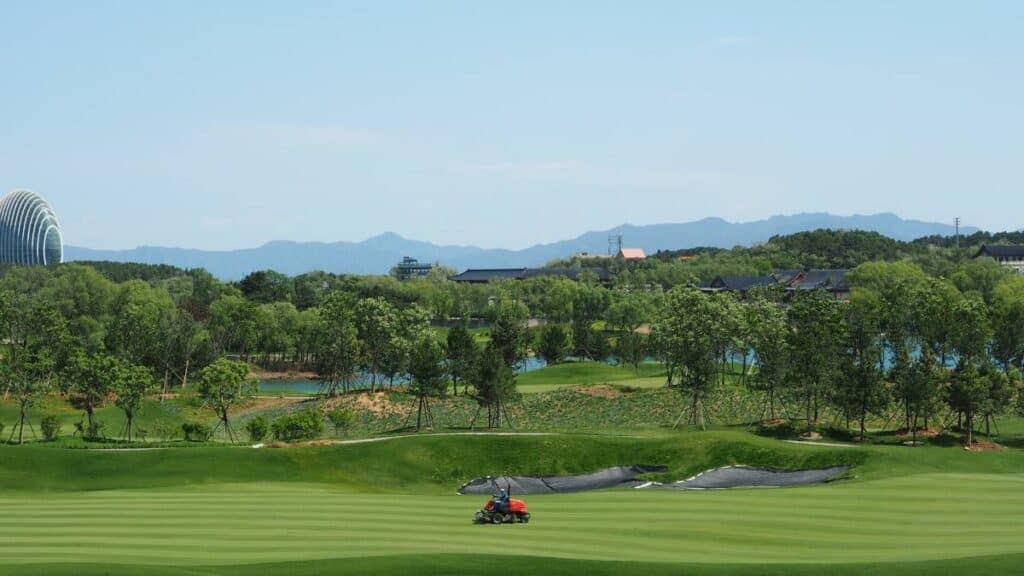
627,477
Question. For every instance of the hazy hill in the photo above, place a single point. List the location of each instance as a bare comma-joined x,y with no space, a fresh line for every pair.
378,254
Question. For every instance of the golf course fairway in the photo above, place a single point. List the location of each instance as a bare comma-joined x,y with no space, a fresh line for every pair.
893,524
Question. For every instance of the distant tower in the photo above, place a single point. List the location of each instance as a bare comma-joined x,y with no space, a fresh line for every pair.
956,222
614,244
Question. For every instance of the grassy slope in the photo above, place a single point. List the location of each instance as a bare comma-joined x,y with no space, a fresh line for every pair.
425,464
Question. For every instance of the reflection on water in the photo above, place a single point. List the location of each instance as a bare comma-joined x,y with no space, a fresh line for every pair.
314,386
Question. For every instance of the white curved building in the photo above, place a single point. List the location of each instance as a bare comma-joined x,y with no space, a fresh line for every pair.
29,231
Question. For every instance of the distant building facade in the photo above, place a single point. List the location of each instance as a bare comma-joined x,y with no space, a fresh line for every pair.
410,268
631,254
29,231
1009,256
830,280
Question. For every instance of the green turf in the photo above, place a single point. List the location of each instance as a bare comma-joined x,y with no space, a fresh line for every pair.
907,519
387,508
474,565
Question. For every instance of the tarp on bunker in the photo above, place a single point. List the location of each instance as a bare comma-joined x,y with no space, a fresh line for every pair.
616,477
749,476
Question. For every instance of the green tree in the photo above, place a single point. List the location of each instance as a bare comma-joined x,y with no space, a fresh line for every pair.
35,339
94,378
766,325
132,383
1008,322
692,329
494,385
461,351
508,331
631,348
552,343
267,286
426,367
816,335
861,390
337,349
223,385
232,325
377,322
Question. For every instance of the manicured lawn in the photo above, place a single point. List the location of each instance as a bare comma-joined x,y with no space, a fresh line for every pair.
388,507
907,519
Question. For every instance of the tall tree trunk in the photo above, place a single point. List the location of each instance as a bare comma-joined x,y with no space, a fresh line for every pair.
184,378
22,416
970,428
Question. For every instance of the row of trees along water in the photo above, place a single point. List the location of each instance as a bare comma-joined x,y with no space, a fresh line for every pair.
902,339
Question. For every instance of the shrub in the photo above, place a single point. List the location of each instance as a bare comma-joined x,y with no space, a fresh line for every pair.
300,425
341,419
92,431
50,426
196,431
165,430
257,428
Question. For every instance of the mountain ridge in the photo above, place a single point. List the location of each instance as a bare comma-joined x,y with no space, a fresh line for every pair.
377,254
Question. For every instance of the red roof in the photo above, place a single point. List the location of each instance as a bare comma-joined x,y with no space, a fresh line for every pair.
632,253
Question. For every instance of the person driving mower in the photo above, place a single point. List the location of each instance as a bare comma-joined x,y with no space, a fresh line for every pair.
501,501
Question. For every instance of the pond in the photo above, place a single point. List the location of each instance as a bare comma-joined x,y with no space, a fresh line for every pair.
310,387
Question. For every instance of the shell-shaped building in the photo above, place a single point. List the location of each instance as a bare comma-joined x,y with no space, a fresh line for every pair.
29,231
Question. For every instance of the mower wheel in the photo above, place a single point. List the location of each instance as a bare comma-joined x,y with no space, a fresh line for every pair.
496,519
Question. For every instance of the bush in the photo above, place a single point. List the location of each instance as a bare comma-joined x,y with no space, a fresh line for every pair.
50,426
257,428
92,431
301,425
165,430
341,419
196,431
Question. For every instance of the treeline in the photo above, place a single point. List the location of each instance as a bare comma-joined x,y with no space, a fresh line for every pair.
904,339
936,256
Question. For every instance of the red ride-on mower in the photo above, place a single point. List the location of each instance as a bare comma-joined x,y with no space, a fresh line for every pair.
489,514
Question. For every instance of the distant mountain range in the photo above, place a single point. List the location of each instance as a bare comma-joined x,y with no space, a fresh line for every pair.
378,254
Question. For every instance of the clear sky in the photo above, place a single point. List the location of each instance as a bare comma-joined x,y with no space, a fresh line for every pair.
217,124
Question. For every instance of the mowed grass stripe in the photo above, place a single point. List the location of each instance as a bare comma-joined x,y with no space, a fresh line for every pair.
904,518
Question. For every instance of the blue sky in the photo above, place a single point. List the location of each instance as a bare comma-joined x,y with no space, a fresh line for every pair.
228,124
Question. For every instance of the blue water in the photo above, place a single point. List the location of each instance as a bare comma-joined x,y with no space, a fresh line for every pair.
315,387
